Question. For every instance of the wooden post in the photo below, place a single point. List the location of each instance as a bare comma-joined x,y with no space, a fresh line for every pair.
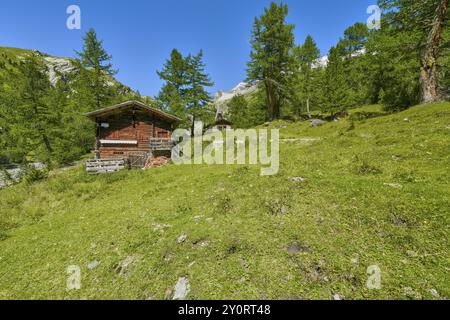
97,139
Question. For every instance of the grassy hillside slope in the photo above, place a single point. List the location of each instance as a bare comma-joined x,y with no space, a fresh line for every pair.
11,54
377,192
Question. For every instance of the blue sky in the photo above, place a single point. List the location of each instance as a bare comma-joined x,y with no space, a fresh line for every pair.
141,33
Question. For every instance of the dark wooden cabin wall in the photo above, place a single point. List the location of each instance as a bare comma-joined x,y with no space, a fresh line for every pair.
123,126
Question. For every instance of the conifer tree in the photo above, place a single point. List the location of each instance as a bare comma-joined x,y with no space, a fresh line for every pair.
423,22
271,59
174,73
352,48
245,113
307,55
96,76
196,95
336,91
33,116
184,90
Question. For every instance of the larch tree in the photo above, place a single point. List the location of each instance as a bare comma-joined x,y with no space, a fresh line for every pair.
426,19
98,70
198,80
271,60
307,55
174,74
34,117
185,82
335,88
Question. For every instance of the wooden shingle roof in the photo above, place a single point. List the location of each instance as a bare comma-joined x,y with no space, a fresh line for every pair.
129,104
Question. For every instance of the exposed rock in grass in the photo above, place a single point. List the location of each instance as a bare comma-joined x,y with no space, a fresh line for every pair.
242,280
338,297
201,243
366,168
123,267
278,206
197,219
434,293
399,221
294,248
182,238
182,289
93,264
209,220
160,227
412,294
168,294
394,185
317,122
317,273
168,257
297,179
411,253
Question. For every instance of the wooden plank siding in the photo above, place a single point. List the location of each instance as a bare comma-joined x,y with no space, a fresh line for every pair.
130,124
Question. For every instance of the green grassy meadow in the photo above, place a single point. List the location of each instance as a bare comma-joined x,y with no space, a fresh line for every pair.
375,192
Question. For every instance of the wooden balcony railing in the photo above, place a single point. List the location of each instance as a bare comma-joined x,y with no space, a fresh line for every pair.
161,144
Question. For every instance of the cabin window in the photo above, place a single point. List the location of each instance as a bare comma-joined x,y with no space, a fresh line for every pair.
119,153
104,125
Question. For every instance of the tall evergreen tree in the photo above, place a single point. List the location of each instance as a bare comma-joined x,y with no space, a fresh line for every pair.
98,70
196,95
271,59
424,22
175,75
352,48
184,90
355,38
336,91
245,112
33,116
307,54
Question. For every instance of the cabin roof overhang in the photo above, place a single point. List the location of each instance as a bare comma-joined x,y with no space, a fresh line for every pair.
132,104
223,122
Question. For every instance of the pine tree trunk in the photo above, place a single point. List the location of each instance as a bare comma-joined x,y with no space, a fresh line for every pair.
307,108
47,144
270,101
428,81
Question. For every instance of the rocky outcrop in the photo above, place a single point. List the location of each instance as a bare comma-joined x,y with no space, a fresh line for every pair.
58,67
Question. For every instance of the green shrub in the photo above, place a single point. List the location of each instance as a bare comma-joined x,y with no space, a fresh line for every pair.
33,175
358,116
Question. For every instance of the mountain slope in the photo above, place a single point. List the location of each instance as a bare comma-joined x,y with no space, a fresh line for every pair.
57,67
373,192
